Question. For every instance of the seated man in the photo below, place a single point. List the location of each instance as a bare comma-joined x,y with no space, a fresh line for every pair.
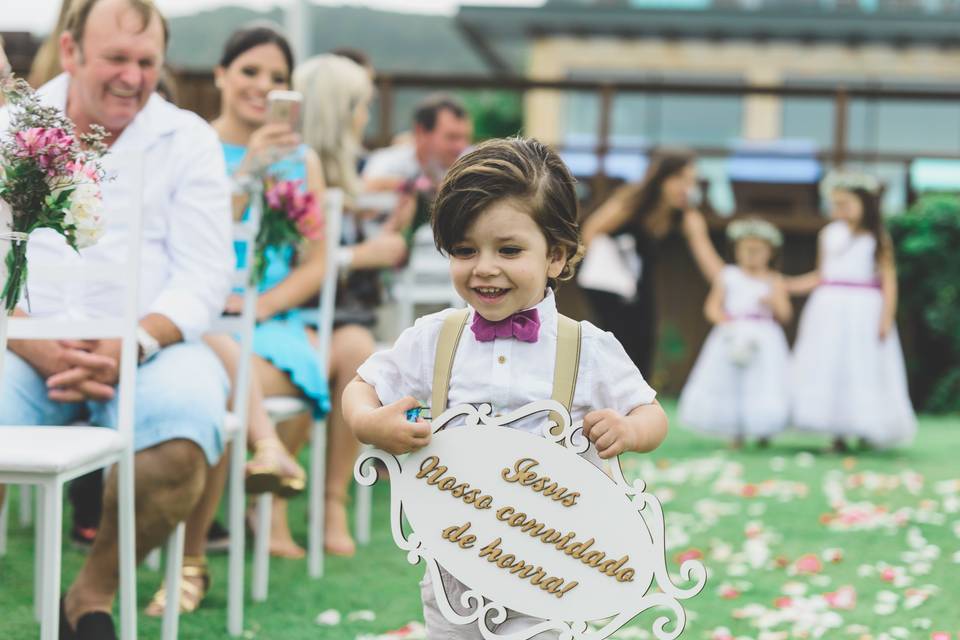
112,52
442,130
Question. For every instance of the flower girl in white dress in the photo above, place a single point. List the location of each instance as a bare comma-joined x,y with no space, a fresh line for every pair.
849,378
738,386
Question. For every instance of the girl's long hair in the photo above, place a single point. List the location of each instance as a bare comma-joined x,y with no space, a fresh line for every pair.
872,222
643,198
46,63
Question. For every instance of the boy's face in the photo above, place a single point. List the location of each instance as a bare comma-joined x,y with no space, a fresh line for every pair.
502,264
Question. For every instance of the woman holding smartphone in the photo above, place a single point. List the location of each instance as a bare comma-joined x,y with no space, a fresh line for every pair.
255,61
647,212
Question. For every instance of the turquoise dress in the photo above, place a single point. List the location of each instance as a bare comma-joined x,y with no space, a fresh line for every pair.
283,339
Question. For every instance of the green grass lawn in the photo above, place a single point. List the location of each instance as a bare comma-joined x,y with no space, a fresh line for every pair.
883,527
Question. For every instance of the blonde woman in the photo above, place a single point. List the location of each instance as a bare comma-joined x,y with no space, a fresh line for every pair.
336,109
46,64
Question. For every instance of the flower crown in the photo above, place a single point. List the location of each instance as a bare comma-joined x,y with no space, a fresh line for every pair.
754,228
848,181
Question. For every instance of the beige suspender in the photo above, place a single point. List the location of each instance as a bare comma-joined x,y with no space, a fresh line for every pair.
564,371
566,368
447,343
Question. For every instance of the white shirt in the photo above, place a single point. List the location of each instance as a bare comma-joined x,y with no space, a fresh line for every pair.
187,246
398,161
508,373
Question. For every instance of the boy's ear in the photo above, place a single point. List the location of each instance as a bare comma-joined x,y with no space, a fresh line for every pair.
558,260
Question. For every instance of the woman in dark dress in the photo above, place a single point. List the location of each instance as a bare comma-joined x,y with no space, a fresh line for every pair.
647,211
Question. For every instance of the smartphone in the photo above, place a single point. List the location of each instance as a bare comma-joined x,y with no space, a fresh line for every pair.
284,106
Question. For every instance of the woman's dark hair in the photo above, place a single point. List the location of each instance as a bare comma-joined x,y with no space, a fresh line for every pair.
872,221
523,171
665,163
254,35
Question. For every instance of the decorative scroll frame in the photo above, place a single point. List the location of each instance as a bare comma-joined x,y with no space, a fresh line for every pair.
480,607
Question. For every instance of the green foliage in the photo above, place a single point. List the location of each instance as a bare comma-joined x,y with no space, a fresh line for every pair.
928,264
496,114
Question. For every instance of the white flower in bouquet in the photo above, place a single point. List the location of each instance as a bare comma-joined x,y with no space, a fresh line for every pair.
741,346
85,214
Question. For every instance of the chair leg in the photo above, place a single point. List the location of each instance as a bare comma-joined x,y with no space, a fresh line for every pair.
363,515
236,506
53,520
315,532
127,547
26,504
39,558
171,613
261,548
4,513
154,559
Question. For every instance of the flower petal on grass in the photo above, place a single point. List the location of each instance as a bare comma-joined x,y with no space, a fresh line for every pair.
364,615
328,618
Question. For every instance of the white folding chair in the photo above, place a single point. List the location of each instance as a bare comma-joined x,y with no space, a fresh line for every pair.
282,408
425,280
235,433
49,456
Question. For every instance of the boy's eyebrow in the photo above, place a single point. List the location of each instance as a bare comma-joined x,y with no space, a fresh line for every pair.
507,238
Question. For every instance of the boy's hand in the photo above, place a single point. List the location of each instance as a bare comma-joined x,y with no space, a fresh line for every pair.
390,430
609,431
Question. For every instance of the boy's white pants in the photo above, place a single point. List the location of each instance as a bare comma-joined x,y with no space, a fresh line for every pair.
439,628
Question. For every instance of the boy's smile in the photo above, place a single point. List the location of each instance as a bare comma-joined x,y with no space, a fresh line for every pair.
502,264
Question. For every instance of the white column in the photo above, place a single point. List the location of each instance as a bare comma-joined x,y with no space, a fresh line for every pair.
297,24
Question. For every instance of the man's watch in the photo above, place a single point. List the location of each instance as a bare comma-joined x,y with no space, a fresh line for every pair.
149,346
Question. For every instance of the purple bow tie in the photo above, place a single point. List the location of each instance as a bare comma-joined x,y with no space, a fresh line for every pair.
524,326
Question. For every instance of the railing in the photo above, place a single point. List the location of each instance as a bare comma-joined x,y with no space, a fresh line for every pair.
838,154
197,92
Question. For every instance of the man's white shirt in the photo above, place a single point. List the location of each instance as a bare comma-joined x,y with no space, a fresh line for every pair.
398,161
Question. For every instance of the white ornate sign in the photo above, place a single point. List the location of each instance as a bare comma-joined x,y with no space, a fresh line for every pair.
529,525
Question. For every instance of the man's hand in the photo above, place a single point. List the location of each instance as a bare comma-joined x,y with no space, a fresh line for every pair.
609,431
92,371
45,356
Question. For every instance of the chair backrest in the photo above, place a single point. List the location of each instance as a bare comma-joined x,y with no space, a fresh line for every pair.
333,220
245,233
125,273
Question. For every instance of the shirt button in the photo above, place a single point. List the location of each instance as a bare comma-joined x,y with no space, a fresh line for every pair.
501,359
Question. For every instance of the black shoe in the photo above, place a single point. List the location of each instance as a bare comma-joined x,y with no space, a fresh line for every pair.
840,446
95,625
218,538
66,631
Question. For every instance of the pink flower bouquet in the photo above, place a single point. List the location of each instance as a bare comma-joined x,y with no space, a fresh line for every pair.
290,215
49,177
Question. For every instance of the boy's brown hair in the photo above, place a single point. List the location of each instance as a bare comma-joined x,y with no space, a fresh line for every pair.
524,171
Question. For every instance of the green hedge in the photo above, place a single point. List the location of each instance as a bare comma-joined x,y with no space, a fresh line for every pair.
927,245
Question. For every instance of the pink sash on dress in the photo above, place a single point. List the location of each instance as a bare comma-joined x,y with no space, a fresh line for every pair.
875,284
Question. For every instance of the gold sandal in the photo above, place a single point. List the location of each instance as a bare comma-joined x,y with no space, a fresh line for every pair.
265,472
191,595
